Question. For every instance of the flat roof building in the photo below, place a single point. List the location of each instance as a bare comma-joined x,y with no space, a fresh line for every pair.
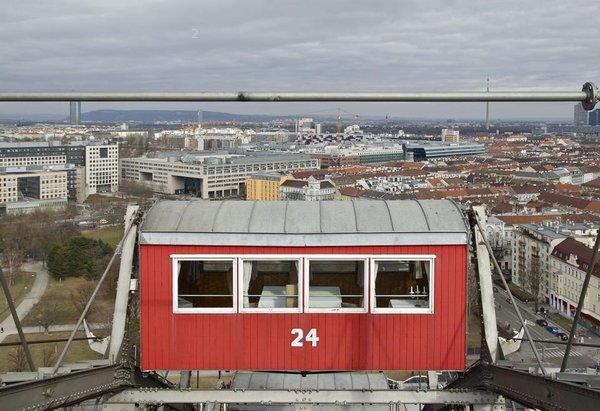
424,152
264,186
209,177
91,168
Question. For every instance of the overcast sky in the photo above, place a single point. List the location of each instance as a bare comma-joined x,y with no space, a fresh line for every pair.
306,45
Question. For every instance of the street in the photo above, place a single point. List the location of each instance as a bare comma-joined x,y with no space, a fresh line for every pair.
551,351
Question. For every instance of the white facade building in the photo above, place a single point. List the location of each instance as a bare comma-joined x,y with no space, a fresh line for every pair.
450,135
102,169
209,177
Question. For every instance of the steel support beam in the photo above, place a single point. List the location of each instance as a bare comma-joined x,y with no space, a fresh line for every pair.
90,302
122,295
73,388
512,299
297,397
61,390
588,96
529,389
488,307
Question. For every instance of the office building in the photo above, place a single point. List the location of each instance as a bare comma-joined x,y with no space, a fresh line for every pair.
450,135
209,176
580,115
75,112
425,152
89,168
594,117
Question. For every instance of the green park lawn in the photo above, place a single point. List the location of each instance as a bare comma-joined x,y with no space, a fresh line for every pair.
23,283
110,235
79,350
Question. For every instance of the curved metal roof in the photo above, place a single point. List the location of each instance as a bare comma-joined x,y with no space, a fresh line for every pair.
238,222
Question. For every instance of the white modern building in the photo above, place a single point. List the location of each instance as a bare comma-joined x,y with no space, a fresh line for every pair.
450,135
208,176
90,168
101,169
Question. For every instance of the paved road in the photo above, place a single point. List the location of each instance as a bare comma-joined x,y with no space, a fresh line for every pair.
37,290
551,350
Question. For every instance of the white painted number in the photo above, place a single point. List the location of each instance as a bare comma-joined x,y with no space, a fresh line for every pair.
311,337
298,340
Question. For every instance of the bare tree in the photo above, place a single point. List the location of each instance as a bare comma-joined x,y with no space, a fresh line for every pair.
535,279
135,189
82,296
47,314
500,248
12,258
17,360
48,356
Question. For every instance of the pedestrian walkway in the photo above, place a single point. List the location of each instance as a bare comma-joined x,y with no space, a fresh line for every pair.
558,353
58,328
31,299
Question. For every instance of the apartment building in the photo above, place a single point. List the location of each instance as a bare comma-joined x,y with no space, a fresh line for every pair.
308,190
264,186
532,246
570,260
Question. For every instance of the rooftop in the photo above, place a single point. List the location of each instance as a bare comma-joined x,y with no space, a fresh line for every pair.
304,223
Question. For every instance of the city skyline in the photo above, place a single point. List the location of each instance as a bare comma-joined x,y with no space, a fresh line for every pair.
308,46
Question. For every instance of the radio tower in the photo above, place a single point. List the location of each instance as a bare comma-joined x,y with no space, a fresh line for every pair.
487,107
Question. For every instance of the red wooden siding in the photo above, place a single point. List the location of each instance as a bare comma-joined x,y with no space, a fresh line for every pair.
247,341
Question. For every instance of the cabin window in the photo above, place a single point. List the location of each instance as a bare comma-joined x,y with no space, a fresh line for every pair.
335,285
204,285
402,284
269,285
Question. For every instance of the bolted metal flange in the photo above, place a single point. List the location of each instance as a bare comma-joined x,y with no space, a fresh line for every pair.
593,95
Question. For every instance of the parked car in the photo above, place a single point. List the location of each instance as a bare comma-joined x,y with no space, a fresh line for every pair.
495,289
553,329
542,322
563,336
103,221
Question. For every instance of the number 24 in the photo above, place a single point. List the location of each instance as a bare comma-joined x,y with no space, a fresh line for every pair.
311,337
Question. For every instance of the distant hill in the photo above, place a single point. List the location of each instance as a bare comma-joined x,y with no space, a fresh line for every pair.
184,116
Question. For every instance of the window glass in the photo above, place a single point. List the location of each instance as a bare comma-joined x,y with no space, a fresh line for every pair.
205,284
402,283
336,284
270,284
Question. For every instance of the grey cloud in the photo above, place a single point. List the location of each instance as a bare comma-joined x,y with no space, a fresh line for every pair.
298,45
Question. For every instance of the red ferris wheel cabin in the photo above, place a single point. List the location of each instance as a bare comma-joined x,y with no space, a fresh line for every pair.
315,286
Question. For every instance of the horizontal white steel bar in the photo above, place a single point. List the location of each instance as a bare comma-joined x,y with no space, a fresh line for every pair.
300,96
331,397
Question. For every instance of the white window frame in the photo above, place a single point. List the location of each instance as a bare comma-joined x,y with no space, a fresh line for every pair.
176,258
335,257
270,257
402,257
